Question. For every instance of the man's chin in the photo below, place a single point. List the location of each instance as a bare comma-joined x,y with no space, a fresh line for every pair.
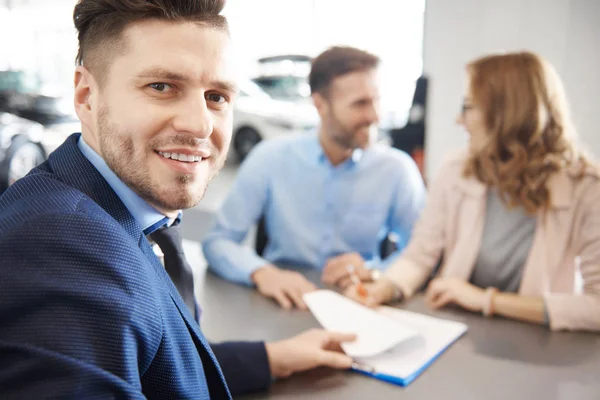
181,191
178,197
362,145
170,204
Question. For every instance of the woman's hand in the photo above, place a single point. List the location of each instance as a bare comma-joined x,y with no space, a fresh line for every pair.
444,291
373,294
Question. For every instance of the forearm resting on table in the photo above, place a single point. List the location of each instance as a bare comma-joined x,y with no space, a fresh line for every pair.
511,305
231,260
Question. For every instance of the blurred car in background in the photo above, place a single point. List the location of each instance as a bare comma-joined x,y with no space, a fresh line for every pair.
46,104
20,148
285,87
26,96
257,116
14,87
285,77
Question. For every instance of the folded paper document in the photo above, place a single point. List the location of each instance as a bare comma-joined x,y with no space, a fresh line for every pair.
393,345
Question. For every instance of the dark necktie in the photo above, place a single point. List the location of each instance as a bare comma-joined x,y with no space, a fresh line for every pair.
170,242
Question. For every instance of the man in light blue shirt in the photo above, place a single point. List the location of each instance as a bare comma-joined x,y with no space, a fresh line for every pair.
327,199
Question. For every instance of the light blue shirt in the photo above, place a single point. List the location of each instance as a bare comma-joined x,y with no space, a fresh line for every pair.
314,211
147,216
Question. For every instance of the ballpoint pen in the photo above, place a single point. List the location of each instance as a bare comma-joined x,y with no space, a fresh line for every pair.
360,289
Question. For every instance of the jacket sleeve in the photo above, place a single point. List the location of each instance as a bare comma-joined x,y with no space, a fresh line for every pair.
245,366
67,326
582,311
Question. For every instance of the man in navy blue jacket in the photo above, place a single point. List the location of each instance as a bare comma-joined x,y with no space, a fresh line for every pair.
86,308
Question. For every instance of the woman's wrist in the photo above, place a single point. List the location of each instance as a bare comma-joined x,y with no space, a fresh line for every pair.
489,307
392,292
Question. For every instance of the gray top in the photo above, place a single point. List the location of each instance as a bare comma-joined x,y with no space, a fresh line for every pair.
505,244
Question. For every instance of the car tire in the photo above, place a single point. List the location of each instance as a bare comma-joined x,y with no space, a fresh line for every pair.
22,156
244,141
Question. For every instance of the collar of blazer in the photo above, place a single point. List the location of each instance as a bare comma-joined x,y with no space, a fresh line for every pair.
71,167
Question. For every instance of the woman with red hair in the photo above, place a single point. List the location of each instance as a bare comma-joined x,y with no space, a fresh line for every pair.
516,217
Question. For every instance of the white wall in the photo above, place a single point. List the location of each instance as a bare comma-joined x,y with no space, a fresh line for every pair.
565,32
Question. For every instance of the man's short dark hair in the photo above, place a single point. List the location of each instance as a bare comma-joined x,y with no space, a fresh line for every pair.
337,61
100,24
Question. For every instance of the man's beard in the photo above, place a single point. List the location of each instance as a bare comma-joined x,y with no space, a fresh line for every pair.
347,137
119,153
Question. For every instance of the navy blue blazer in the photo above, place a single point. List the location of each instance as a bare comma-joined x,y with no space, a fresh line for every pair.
86,308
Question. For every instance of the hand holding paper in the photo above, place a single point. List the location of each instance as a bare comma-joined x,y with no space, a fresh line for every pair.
392,344
375,333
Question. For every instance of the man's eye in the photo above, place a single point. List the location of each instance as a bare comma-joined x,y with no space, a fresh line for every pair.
217,98
160,87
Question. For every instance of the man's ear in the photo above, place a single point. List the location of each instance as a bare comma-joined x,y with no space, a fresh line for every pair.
85,91
321,104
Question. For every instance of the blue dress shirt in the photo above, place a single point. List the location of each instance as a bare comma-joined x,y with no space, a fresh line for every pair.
313,210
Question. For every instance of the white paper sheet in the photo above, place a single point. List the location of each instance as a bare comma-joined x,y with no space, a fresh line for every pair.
390,341
376,333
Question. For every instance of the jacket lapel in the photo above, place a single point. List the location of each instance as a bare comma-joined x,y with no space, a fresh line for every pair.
200,341
75,170
470,212
551,237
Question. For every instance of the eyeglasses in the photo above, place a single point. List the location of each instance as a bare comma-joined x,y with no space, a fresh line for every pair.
466,107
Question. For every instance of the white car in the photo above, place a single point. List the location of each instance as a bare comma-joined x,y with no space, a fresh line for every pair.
257,116
20,148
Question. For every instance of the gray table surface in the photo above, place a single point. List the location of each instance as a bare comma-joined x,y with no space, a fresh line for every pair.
496,359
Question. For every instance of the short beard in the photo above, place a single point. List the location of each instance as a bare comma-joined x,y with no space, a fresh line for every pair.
117,146
342,136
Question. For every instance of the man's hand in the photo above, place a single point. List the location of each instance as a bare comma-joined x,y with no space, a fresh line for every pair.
336,270
286,287
311,349
443,291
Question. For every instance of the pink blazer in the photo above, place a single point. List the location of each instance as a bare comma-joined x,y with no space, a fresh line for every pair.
566,244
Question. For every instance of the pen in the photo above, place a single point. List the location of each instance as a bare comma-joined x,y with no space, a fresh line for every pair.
360,289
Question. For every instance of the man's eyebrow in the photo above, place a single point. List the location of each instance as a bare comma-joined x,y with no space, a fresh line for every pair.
162,73
226,86
365,99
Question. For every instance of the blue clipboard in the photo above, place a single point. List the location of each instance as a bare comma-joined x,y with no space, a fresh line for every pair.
397,380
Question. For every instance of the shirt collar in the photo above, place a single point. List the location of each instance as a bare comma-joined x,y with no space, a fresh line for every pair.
355,158
147,216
